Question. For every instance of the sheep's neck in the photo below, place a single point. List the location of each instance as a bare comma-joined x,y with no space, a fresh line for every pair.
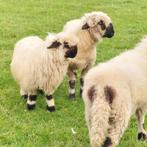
86,39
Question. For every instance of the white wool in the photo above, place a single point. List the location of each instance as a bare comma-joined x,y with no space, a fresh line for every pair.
87,40
36,67
126,74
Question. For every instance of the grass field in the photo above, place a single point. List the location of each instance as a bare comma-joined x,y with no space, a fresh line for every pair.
39,128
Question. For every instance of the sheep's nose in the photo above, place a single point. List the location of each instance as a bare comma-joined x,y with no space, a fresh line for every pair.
72,52
109,31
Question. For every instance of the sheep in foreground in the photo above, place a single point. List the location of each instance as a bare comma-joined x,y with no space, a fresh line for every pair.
113,91
39,64
90,29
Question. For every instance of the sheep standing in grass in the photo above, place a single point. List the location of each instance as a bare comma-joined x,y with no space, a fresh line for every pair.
39,64
90,29
113,91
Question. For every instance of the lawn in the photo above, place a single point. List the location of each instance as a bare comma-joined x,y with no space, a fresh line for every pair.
39,128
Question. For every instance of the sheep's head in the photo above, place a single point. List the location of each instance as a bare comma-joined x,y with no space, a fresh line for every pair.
69,48
98,24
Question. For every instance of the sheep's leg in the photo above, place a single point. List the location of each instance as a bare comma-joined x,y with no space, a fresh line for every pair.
23,94
72,83
50,103
83,73
142,135
118,123
31,101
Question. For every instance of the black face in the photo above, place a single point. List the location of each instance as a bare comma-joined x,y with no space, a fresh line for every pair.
71,50
109,31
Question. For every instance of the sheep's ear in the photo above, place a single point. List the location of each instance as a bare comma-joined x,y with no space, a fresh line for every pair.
55,44
85,26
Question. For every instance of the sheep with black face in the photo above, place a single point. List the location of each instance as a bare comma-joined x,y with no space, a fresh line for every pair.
39,64
90,29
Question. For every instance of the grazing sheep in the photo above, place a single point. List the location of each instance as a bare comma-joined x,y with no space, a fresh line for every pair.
90,29
113,91
39,64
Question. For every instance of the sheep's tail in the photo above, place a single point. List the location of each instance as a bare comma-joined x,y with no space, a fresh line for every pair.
100,112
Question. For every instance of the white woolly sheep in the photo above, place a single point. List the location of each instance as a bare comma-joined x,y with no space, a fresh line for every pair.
90,29
113,91
35,67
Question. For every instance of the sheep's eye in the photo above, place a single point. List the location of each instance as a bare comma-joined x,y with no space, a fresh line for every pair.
66,45
102,24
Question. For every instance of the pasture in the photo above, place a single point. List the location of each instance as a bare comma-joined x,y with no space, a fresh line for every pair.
39,128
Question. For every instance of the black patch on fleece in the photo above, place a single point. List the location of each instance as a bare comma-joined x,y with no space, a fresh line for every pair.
91,93
109,93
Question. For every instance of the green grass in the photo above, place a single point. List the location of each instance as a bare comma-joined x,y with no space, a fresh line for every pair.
20,18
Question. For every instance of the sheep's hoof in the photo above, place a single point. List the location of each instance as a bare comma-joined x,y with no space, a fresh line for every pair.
24,96
51,109
40,92
30,107
72,96
142,136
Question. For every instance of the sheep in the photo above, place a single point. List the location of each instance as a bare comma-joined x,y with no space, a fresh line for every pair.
90,29
39,64
113,92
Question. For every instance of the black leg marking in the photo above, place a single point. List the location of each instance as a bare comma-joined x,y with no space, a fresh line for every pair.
39,91
25,96
107,142
32,97
72,89
142,136
31,102
81,86
75,73
51,109
72,84
81,82
50,103
72,96
49,97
